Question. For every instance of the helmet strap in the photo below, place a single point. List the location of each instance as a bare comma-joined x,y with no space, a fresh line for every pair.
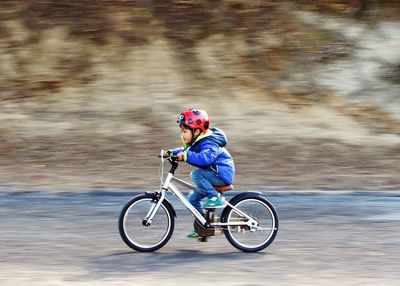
193,135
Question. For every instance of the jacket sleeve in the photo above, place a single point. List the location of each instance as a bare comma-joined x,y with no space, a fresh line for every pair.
204,158
178,150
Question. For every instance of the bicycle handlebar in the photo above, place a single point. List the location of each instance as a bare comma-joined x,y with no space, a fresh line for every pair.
166,154
172,159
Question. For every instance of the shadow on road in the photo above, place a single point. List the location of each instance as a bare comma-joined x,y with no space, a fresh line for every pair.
164,261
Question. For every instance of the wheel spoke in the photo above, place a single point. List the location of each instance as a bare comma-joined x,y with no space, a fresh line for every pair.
141,237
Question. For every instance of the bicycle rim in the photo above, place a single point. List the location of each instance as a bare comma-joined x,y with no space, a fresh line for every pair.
146,237
267,225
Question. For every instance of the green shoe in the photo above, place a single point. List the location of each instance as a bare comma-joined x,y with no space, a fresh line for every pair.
193,234
214,202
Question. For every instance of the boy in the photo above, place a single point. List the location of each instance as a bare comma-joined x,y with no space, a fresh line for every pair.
205,149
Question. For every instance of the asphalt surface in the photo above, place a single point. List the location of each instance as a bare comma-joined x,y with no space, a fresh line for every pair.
335,238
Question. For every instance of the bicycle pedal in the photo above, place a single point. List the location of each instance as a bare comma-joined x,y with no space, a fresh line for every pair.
202,239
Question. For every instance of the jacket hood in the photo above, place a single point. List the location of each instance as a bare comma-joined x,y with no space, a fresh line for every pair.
213,134
218,136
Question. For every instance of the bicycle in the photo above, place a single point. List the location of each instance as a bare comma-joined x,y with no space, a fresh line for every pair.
146,223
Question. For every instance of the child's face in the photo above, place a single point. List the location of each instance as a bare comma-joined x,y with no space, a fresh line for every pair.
186,135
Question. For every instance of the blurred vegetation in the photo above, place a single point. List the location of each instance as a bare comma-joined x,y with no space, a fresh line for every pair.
91,88
277,43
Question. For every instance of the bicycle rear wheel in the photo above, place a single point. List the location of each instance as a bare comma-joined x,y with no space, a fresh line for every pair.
139,236
243,237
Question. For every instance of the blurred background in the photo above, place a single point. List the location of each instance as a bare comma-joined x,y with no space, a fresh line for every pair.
306,91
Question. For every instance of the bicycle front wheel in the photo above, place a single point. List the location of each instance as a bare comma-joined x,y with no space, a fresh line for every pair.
251,239
141,237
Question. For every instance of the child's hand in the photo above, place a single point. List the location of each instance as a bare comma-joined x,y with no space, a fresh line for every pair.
181,156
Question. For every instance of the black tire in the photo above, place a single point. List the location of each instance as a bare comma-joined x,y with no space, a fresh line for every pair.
260,209
130,224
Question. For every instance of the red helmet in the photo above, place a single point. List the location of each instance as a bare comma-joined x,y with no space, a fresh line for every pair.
195,118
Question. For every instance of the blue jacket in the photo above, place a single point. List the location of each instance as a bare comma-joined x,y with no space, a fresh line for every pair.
208,152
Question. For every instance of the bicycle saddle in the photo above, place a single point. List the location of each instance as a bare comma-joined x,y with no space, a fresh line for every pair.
222,189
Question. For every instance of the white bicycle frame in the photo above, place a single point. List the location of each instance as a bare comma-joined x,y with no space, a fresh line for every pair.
168,185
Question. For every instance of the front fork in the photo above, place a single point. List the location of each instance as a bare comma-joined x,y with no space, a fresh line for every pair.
159,197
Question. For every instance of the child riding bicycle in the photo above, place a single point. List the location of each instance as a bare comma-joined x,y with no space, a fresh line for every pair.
204,147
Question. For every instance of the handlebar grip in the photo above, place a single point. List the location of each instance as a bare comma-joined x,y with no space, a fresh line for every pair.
165,154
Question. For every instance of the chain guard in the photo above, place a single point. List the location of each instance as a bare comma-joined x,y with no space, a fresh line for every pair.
203,231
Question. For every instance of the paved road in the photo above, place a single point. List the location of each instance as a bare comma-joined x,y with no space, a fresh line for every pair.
324,239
